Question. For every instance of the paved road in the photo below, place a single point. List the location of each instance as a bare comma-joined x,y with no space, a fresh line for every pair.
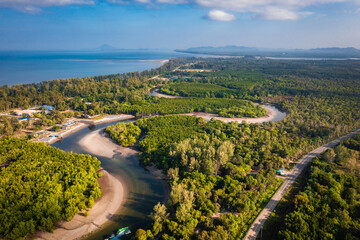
299,167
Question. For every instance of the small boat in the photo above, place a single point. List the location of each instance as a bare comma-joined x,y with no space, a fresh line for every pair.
120,232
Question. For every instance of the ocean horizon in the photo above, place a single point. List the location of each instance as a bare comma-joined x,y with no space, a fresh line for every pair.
26,67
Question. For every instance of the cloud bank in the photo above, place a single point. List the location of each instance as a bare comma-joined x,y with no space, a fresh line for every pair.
264,9
34,6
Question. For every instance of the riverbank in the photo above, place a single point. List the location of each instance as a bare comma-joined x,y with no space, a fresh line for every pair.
98,144
272,114
83,123
108,118
105,207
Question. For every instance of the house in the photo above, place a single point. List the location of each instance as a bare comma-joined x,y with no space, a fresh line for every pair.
68,125
47,107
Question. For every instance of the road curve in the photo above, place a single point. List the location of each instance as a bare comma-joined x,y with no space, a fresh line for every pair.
258,224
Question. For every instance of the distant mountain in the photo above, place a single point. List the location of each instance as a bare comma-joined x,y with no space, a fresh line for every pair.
252,51
106,47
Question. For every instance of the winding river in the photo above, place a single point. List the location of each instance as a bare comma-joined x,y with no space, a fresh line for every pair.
142,188
273,114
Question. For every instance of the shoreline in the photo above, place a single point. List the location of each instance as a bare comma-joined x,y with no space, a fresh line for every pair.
111,200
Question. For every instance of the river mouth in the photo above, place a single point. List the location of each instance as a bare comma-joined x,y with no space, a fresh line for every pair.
142,189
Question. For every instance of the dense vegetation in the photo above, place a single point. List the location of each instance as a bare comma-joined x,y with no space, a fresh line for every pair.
40,185
194,89
224,83
328,208
322,103
125,134
210,167
224,107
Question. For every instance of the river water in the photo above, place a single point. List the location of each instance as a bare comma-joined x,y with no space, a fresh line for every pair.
144,190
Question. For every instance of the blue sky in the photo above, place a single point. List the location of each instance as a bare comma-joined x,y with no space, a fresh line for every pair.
79,24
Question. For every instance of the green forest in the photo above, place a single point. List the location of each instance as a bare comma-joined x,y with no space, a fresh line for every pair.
328,207
125,134
223,107
41,185
210,166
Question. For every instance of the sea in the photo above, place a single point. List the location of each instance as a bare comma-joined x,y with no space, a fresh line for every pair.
22,67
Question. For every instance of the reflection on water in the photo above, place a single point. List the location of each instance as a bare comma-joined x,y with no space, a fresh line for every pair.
144,190
278,115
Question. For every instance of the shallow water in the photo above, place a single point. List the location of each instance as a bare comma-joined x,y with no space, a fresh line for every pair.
278,115
144,190
17,67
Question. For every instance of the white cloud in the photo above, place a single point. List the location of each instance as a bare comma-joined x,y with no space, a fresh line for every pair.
269,9
266,9
218,15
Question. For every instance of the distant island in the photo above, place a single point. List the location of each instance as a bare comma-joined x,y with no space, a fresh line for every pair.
334,52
